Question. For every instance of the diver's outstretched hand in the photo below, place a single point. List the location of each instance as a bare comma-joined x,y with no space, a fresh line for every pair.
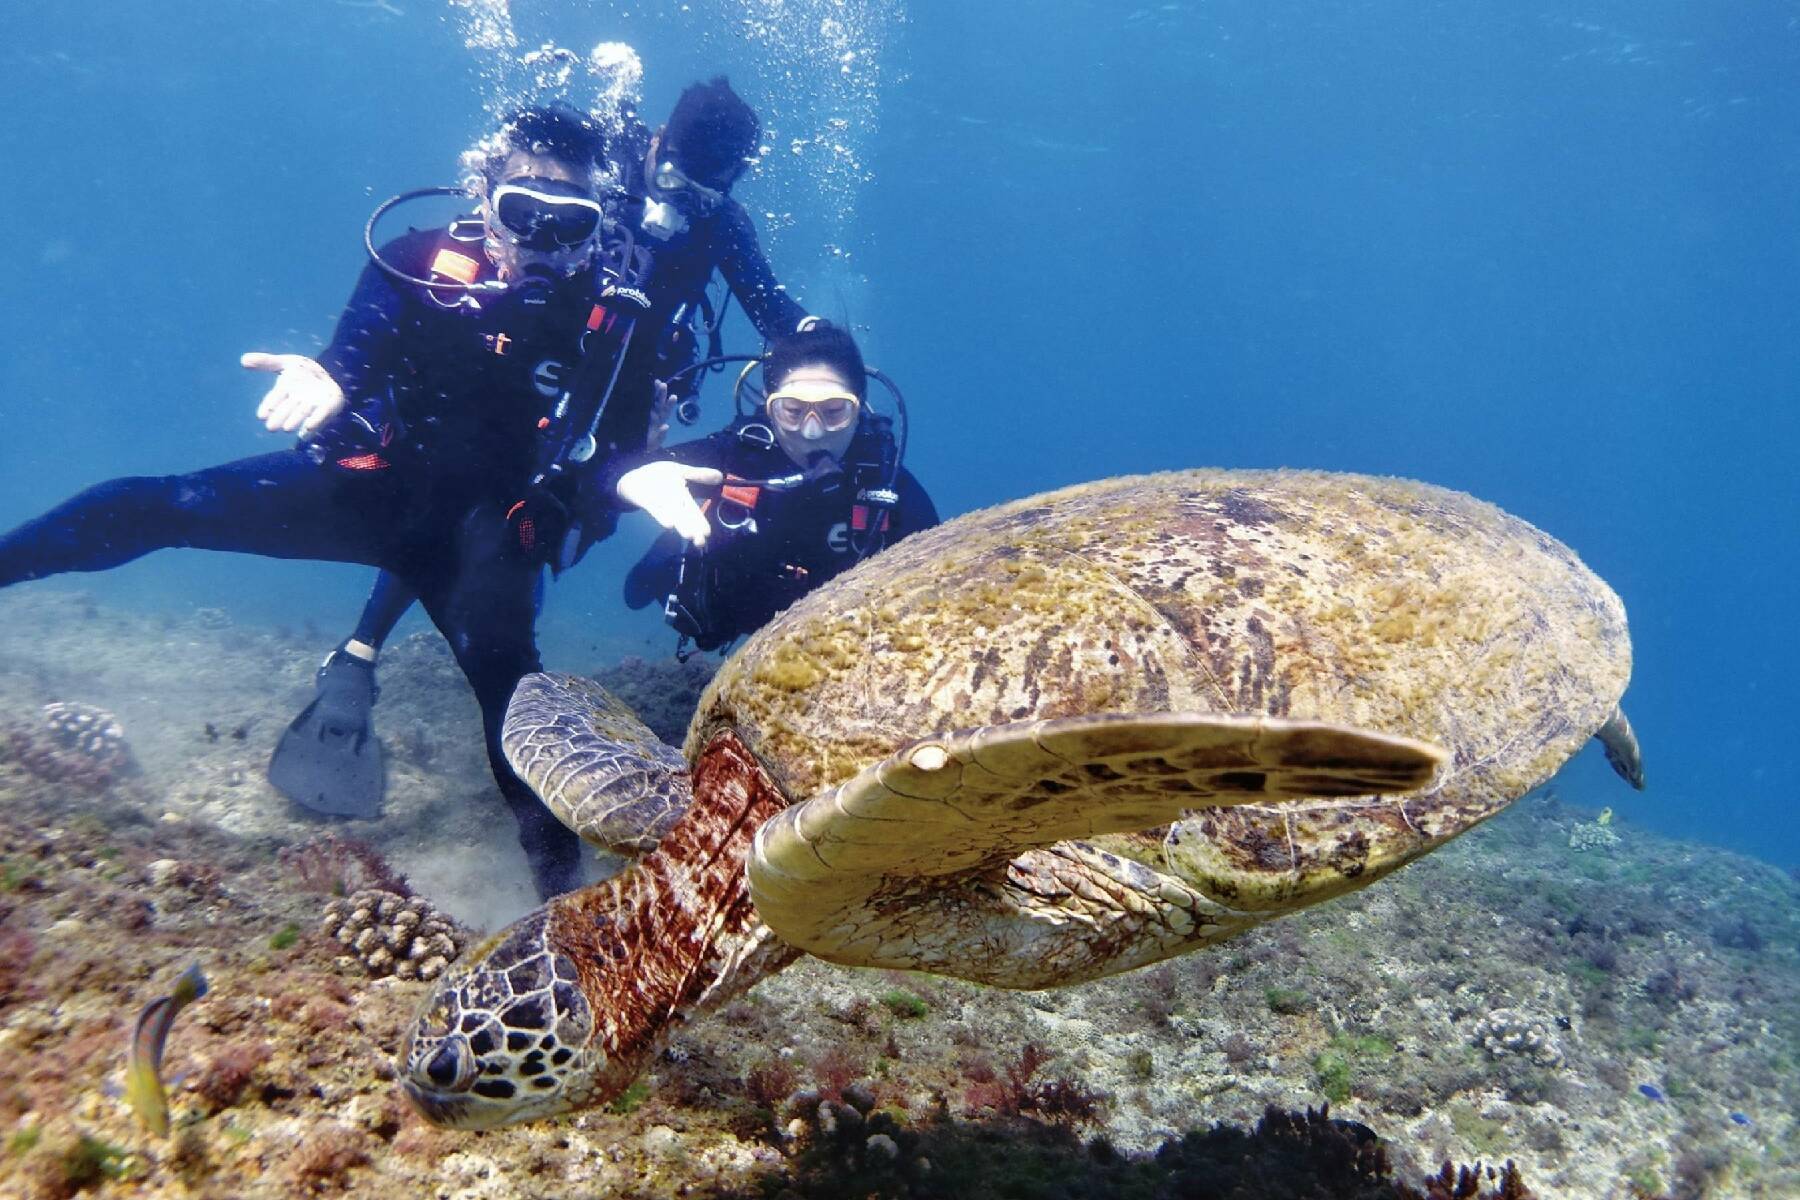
661,489
304,397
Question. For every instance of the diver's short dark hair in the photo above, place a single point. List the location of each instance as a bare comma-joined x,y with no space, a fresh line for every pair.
555,130
823,343
712,133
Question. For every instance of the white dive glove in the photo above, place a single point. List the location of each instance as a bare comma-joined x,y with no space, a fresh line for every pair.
661,489
304,397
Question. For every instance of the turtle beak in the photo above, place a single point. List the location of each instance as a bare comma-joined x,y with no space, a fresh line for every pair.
449,1111
436,1079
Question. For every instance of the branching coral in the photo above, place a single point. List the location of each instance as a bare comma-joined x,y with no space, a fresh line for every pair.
391,934
1019,1092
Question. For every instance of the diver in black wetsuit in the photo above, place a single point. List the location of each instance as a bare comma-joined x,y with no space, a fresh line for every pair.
677,194
810,485
431,446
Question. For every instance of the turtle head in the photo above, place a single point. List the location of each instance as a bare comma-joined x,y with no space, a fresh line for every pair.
506,1036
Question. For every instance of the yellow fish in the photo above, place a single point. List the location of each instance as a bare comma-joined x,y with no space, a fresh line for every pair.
1605,818
143,1074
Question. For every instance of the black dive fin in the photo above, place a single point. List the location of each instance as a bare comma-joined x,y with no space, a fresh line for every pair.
329,760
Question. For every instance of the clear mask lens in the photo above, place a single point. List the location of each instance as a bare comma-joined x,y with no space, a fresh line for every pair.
676,185
833,414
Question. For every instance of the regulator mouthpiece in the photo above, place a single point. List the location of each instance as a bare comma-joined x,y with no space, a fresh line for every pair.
663,220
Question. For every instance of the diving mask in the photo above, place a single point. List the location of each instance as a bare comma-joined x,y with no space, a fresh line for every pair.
545,214
672,195
672,180
835,411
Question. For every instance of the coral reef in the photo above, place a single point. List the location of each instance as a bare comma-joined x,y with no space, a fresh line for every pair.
850,1150
89,731
1018,1091
1591,836
80,744
391,934
1666,974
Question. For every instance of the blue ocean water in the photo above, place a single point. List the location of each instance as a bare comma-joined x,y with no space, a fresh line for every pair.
1546,254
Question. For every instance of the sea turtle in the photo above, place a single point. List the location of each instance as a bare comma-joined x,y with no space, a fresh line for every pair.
1043,743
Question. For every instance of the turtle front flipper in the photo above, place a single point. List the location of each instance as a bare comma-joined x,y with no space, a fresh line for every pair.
594,764
1621,746
934,859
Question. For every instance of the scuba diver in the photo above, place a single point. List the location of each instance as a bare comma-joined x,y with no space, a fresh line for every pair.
810,482
435,441
693,227
676,195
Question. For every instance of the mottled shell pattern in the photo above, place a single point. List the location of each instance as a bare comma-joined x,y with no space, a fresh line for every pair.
1374,603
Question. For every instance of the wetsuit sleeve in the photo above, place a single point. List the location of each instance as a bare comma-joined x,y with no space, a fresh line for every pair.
367,354
751,279
914,511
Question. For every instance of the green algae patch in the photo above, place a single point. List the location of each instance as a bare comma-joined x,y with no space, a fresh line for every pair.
630,1099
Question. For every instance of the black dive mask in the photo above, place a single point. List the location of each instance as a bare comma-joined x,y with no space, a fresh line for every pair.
545,214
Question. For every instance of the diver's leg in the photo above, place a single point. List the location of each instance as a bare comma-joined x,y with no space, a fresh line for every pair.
354,659
387,603
280,505
485,606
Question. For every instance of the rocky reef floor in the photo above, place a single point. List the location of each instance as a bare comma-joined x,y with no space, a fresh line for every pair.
1615,1012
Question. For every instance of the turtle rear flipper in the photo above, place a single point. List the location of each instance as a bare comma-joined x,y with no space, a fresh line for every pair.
1621,746
836,875
594,764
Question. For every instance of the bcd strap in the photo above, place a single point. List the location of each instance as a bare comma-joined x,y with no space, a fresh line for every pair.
567,437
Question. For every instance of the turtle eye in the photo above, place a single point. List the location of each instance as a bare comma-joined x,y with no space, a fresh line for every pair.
451,1068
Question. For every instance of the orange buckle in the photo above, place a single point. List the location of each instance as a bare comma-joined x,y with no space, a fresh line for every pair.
739,494
452,265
